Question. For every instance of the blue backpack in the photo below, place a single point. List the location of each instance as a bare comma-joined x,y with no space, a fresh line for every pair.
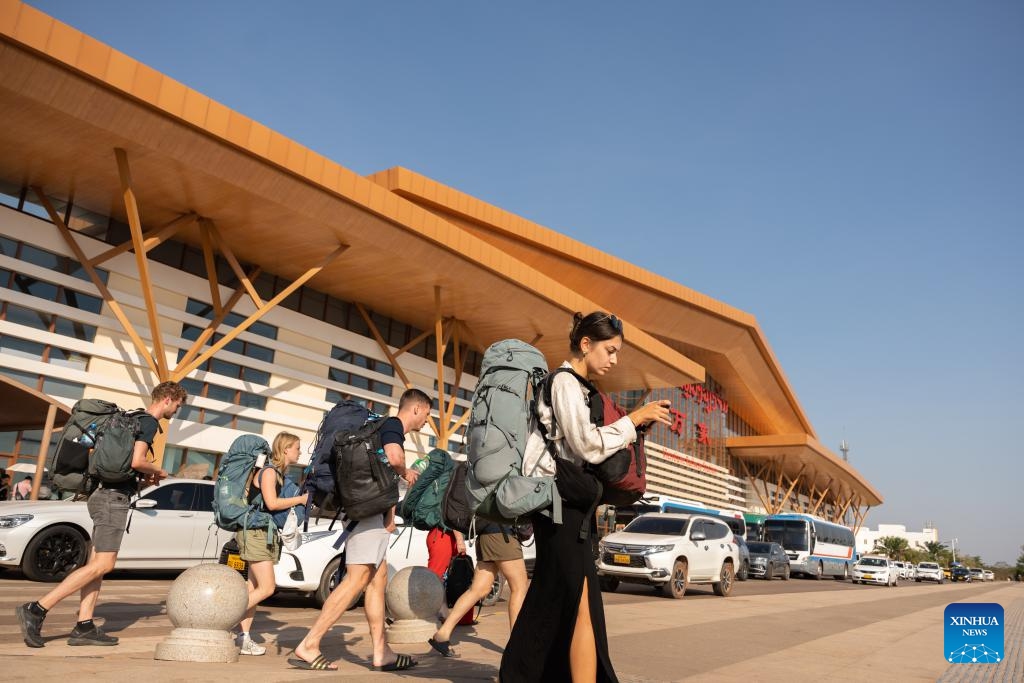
232,510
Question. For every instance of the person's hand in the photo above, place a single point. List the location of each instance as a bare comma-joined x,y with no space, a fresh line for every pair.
411,476
391,526
655,411
460,546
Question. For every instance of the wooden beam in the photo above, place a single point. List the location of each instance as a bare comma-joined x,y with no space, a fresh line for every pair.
225,250
458,376
441,348
115,307
791,485
391,358
153,238
533,342
131,207
44,447
413,342
753,484
205,335
828,486
211,267
260,312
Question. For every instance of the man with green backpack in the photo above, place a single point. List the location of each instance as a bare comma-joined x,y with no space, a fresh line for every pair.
108,508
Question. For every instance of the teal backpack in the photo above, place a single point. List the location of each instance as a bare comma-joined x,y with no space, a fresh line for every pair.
421,506
232,510
502,418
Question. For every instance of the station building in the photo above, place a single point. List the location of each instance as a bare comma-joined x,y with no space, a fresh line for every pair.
148,232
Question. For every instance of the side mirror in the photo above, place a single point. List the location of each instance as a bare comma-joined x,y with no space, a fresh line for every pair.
698,536
144,504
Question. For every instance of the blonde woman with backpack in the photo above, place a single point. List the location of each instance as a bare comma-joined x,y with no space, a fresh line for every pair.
253,545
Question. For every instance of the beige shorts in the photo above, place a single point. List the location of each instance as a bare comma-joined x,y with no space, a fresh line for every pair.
494,548
252,546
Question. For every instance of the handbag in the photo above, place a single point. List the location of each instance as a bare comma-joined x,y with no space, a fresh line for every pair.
291,539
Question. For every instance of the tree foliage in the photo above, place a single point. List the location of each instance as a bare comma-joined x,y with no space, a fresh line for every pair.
893,546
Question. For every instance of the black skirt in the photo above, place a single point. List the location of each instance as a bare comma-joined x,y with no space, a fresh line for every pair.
538,648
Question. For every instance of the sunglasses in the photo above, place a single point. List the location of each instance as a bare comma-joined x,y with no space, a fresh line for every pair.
612,320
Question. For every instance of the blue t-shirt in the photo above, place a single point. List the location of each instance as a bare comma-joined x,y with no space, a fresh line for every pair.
392,431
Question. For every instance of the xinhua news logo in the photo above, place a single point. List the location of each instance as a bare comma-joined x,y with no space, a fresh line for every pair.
973,633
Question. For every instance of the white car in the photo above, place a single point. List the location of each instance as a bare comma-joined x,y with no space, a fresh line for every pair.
930,571
316,566
670,551
989,575
875,569
170,527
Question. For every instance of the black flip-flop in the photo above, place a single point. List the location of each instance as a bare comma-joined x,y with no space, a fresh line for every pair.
443,647
321,663
401,663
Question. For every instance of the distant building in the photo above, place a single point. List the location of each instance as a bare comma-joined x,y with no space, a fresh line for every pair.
866,537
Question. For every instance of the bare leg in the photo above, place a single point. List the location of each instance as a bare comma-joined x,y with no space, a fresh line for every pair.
261,586
583,649
514,572
483,579
87,579
357,578
373,606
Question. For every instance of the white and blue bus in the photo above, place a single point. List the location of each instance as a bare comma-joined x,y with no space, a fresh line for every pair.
816,547
655,502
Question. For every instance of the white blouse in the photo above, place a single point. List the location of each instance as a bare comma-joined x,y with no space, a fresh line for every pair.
574,436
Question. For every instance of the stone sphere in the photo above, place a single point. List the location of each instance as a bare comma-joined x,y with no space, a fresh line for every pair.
414,593
207,596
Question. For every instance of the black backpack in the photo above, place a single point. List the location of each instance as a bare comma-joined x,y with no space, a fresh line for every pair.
365,483
95,445
458,579
345,416
456,507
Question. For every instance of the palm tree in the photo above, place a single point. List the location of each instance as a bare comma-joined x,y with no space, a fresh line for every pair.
893,546
933,549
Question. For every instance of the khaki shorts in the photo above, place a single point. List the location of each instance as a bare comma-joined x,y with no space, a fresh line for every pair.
108,509
252,546
494,548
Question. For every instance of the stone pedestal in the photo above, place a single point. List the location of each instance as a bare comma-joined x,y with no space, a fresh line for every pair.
413,598
204,603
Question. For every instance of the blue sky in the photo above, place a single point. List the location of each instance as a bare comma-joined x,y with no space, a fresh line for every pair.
851,174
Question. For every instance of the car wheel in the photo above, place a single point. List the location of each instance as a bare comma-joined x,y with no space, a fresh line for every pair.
332,576
769,572
55,552
496,589
609,584
785,573
745,572
725,580
820,572
680,579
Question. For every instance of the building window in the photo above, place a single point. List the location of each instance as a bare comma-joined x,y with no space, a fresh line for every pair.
219,418
356,380
373,406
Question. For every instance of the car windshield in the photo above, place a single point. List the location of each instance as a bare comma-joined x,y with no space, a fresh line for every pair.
759,548
927,565
872,562
661,526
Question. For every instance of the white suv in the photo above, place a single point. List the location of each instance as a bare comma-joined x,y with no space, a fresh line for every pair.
670,551
930,571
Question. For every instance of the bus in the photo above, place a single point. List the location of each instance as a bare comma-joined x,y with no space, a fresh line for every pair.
816,547
655,502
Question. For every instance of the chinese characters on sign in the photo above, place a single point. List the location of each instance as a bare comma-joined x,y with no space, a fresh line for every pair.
708,400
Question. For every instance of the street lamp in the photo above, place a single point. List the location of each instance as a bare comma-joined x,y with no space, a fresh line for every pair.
954,549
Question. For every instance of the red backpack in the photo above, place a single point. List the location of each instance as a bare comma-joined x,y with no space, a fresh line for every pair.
624,473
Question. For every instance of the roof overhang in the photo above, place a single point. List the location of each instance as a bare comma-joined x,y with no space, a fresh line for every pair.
726,341
802,455
67,101
26,408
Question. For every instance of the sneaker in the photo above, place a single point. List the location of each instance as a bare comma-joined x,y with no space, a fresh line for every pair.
92,636
31,624
251,648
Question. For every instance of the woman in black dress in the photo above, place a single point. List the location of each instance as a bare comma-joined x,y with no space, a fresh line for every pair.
560,633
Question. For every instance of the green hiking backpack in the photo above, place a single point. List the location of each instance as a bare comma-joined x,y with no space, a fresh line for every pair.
97,442
421,506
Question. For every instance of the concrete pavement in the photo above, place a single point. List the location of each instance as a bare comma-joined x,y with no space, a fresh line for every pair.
839,632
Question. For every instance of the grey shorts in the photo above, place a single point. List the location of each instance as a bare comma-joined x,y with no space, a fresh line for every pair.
108,509
368,542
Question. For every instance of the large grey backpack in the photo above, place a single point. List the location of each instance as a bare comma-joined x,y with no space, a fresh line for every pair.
500,422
